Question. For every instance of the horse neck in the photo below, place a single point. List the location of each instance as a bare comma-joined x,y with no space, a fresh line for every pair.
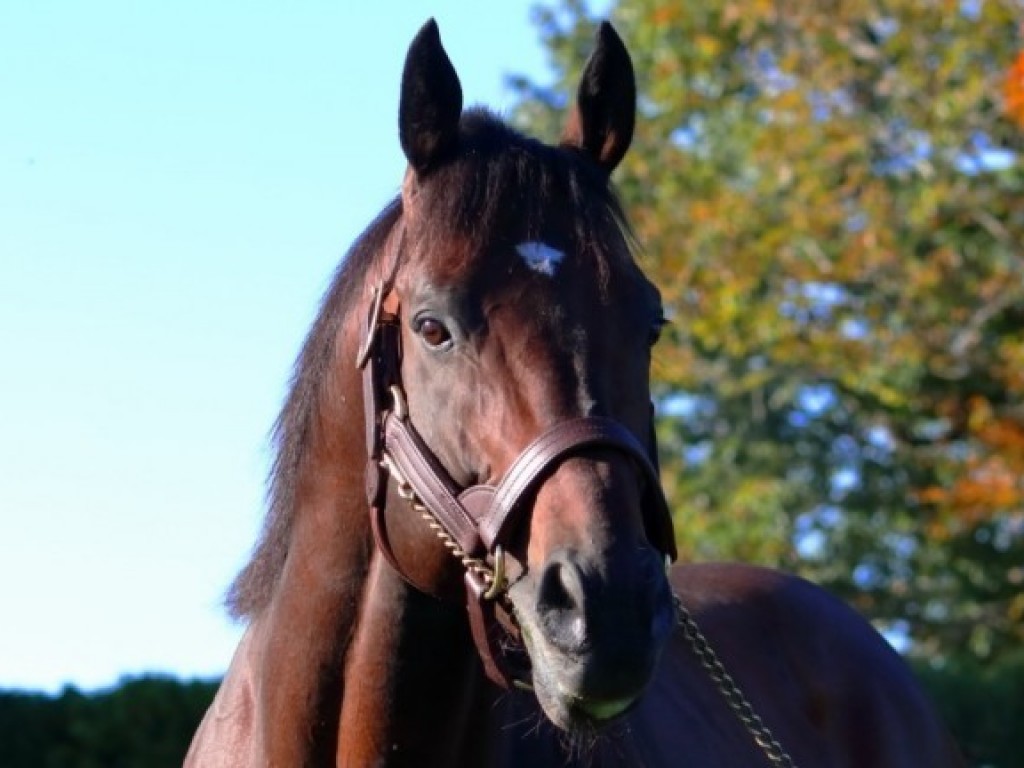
414,694
411,679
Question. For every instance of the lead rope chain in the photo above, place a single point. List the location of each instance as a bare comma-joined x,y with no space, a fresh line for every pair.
734,697
699,644
474,564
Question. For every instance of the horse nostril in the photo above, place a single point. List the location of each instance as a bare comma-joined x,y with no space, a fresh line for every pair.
560,589
560,604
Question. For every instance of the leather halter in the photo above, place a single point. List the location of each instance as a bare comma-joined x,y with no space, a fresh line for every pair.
475,521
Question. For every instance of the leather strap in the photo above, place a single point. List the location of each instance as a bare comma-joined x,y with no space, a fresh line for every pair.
380,360
431,482
540,459
483,625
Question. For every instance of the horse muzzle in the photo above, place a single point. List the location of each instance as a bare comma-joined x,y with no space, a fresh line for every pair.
594,634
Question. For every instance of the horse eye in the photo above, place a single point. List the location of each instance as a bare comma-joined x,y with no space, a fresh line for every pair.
433,332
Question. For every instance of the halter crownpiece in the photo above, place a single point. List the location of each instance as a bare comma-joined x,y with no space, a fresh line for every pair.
474,522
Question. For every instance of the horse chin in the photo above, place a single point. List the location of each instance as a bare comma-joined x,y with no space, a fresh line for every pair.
563,700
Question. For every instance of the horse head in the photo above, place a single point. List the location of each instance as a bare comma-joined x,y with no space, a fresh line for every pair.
510,336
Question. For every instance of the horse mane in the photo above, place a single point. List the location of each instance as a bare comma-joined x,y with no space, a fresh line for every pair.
253,587
497,170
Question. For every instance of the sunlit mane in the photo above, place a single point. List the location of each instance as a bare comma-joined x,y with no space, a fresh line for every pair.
253,586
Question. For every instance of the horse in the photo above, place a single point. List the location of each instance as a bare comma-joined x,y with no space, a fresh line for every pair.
465,560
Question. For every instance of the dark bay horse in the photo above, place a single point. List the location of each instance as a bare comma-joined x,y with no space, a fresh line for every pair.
464,558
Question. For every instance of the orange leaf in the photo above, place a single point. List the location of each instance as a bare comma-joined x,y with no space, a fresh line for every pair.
1013,91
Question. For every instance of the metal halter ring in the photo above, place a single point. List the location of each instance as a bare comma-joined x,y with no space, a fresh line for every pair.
498,581
398,403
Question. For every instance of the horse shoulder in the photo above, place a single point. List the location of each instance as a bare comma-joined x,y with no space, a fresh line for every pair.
811,665
226,737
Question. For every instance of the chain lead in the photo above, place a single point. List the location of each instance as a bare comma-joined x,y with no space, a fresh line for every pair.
474,564
734,697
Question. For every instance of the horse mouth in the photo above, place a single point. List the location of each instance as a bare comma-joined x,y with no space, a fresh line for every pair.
600,710
574,711
565,704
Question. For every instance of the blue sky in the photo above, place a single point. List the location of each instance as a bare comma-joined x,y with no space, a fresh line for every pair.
177,183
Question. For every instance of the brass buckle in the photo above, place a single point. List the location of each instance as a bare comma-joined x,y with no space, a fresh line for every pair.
498,578
398,405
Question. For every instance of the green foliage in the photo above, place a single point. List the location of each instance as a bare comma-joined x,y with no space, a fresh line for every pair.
983,706
142,723
841,386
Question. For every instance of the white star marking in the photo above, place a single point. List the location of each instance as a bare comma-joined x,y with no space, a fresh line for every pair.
540,257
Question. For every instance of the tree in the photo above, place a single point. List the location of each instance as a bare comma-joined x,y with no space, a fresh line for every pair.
830,197
144,722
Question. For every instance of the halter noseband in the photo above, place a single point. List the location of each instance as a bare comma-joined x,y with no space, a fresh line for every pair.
474,522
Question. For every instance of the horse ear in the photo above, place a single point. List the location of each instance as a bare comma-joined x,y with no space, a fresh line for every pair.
601,123
431,104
